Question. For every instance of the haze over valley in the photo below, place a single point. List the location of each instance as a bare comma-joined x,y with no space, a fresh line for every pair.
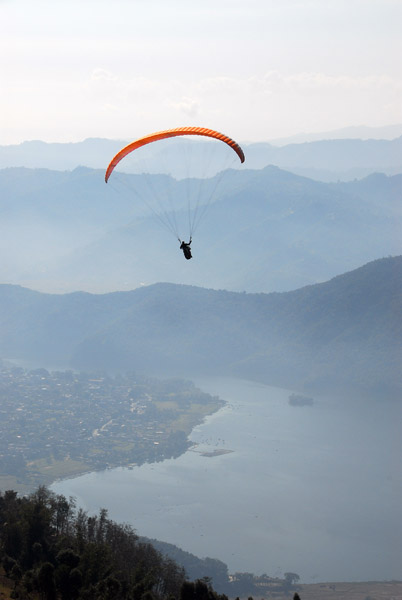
287,319
200,300
281,231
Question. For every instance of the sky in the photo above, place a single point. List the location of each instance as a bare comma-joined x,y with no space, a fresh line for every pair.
254,69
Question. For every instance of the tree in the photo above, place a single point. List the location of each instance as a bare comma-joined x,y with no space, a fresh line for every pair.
29,581
46,583
8,563
12,535
290,579
109,588
218,571
16,575
187,591
75,582
68,557
201,590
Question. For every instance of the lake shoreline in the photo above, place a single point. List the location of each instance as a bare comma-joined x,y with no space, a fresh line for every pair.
283,479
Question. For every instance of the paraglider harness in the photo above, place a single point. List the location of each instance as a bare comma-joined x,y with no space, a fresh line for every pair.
186,249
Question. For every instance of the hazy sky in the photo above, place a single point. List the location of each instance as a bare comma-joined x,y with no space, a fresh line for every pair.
254,69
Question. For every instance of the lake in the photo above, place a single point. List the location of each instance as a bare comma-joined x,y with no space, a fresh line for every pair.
315,490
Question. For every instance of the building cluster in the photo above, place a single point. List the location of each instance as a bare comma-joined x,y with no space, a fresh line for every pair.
96,421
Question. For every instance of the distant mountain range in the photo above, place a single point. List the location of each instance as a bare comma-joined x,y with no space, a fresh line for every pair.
267,230
321,159
361,132
345,334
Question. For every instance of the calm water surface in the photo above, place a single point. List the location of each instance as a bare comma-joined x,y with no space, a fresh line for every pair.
315,490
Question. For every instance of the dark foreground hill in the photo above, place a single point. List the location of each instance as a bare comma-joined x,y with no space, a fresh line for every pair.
50,549
345,333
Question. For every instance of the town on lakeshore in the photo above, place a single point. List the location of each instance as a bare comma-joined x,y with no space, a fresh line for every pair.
61,424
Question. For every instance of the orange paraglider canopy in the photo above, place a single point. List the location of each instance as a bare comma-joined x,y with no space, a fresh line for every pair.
160,135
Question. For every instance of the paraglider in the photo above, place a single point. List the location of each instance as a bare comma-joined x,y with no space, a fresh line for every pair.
165,212
186,249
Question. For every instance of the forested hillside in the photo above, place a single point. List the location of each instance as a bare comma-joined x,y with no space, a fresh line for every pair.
50,548
345,333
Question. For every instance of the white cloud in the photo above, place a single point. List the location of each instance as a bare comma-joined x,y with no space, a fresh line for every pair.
103,74
80,69
188,106
258,107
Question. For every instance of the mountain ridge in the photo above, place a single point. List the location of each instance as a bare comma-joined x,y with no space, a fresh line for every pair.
267,230
344,333
326,159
